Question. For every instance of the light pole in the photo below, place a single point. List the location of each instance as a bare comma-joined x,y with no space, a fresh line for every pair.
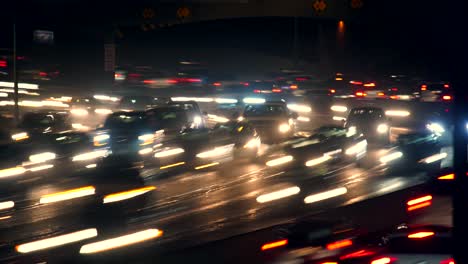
15,77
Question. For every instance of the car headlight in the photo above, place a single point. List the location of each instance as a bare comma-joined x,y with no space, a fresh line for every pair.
382,128
20,136
146,139
168,152
42,157
351,131
103,111
101,140
283,128
390,157
436,128
253,143
197,120
79,112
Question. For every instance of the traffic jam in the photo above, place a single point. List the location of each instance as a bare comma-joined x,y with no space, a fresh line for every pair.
96,174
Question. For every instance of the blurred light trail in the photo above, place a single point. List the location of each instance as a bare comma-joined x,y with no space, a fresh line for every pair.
79,112
12,172
42,167
207,165
3,95
317,161
219,119
434,158
80,126
172,165
339,118
169,152
42,157
400,113
90,155
196,99
419,200
392,156
300,108
57,241
67,195
450,176
121,241
421,234
216,152
278,194
358,148
325,195
225,101
90,166
20,136
303,119
339,108
115,197
275,244
7,205
5,217
145,151
279,161
103,111
30,86
251,100
339,244
105,98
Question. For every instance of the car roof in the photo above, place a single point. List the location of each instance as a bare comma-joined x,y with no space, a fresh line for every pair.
367,108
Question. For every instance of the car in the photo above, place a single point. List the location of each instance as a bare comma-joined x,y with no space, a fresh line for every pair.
88,112
37,125
169,136
431,91
417,151
371,121
327,146
334,244
272,120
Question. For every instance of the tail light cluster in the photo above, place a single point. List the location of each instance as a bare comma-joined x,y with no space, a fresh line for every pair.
360,94
419,203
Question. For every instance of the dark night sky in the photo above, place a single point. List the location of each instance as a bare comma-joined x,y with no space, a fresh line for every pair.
417,38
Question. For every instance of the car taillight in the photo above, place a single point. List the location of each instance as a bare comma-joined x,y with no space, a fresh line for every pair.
301,79
355,82
276,90
339,244
332,91
369,84
361,94
380,94
418,203
275,244
257,91
383,260
217,84
3,63
394,97
447,177
193,80
446,86
447,97
358,254
293,86
43,74
423,87
245,83
149,81
394,89
448,261
172,81
421,234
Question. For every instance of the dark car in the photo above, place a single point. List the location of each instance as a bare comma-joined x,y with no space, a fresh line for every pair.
371,121
272,120
327,145
36,125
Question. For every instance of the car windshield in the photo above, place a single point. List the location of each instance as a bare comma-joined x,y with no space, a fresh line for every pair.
368,113
38,120
125,121
201,131
264,110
